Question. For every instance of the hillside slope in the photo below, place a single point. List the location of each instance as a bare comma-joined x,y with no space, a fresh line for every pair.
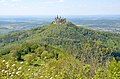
66,36
64,32
60,51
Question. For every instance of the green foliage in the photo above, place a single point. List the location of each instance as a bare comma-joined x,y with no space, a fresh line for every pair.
112,71
44,55
60,51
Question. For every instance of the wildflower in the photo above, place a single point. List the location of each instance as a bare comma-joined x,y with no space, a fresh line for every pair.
41,76
13,65
51,78
32,73
6,63
19,68
6,71
28,69
11,75
21,62
17,73
45,57
3,70
3,61
56,75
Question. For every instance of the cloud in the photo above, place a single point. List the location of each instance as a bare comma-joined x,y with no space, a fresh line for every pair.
54,1
15,0
4,1
9,3
61,0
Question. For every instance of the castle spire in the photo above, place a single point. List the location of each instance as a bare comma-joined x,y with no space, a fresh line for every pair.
57,17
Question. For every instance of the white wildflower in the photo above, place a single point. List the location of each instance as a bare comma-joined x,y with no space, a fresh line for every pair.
3,61
11,75
17,73
19,68
6,71
45,57
56,75
21,62
6,63
28,69
13,65
51,78
3,70
41,76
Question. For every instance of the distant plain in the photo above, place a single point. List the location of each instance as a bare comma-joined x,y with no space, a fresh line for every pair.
109,23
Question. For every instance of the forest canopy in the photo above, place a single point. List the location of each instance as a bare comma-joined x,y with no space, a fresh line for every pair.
60,51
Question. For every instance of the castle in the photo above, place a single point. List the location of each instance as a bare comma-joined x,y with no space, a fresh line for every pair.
59,20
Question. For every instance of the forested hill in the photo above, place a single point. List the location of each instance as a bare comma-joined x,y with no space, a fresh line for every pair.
67,37
62,35
60,51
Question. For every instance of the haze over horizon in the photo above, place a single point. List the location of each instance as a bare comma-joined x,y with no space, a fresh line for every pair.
61,7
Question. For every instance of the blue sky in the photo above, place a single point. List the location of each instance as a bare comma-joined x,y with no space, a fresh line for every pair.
61,7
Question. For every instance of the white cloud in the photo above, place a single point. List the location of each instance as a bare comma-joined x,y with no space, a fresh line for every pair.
9,4
4,1
15,0
54,1
61,0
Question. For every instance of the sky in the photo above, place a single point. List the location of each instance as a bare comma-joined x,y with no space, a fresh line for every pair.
59,7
